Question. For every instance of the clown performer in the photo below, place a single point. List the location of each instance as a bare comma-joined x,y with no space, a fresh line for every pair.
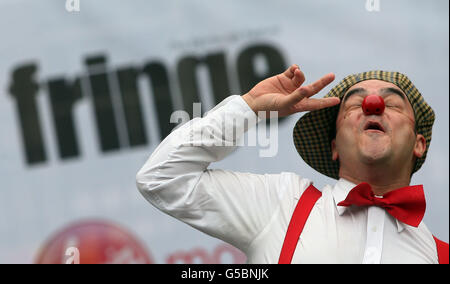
371,133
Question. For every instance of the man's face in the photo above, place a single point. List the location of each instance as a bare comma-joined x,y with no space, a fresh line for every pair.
387,139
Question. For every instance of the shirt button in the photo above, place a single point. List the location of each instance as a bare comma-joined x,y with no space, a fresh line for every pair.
374,229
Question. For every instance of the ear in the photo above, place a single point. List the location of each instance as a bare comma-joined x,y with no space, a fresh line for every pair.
334,153
420,147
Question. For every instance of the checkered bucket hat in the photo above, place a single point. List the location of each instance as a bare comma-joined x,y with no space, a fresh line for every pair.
314,131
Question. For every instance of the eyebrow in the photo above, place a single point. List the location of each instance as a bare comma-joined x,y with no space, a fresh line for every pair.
388,90
393,91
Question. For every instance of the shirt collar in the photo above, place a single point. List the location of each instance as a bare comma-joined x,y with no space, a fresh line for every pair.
340,192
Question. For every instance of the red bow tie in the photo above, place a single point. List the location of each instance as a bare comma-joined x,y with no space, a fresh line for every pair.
406,204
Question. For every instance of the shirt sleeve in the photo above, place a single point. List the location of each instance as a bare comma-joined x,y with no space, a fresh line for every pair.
231,206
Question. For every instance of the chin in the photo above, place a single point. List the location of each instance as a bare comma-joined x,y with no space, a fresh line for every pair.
375,153
375,156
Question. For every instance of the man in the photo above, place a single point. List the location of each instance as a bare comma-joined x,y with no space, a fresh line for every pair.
371,148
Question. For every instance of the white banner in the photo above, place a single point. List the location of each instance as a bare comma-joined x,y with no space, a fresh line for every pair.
88,88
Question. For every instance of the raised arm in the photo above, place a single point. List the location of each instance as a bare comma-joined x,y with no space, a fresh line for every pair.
231,206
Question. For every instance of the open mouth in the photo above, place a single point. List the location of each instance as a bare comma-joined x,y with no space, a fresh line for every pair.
374,126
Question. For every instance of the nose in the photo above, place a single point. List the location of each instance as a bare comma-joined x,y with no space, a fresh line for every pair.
373,104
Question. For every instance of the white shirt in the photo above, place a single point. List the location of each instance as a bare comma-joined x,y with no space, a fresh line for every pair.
253,211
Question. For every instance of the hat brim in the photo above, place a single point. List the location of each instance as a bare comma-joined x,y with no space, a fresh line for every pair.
312,138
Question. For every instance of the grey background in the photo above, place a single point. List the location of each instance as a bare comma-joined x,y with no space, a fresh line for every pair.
320,36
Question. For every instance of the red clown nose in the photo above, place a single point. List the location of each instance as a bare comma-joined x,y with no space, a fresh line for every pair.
373,104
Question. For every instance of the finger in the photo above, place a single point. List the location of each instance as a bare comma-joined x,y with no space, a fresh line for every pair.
293,98
315,104
290,71
315,87
298,78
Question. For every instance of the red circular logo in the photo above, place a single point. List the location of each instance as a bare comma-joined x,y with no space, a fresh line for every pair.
93,242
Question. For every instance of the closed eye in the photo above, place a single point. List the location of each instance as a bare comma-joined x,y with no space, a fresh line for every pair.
354,106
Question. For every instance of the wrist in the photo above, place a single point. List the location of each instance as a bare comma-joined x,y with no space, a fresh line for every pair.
249,100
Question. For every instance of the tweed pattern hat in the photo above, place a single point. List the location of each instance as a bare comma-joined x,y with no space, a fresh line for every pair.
315,130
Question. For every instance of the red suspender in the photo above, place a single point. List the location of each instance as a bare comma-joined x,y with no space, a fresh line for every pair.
301,214
298,220
442,251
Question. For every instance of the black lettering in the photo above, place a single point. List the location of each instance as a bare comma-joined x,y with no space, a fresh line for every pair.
188,80
248,75
161,96
219,77
63,96
24,89
254,64
246,65
127,78
103,106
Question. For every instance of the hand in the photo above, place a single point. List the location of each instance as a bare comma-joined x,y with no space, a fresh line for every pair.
283,93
